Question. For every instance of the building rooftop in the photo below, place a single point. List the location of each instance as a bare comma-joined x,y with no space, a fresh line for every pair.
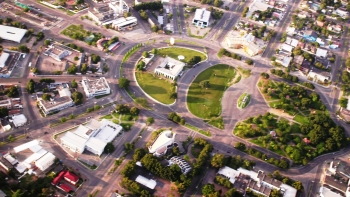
185,167
163,138
202,15
70,176
10,159
229,173
260,188
333,182
58,178
108,131
47,158
3,58
96,144
12,33
74,139
327,192
96,84
170,66
49,105
25,146
19,119
146,182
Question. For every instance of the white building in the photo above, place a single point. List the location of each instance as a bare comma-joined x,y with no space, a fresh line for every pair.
170,68
105,14
322,53
5,103
326,192
46,161
3,58
229,173
123,23
93,137
150,183
201,18
19,120
184,166
319,75
160,145
58,103
95,87
12,33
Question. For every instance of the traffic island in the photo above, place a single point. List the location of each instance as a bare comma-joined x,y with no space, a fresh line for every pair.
243,101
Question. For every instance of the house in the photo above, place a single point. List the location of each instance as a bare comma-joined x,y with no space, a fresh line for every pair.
58,178
310,35
321,53
335,28
65,187
19,120
319,23
290,31
95,87
283,60
170,68
46,161
287,47
291,41
5,164
160,145
201,18
342,13
71,178
298,60
320,41
305,67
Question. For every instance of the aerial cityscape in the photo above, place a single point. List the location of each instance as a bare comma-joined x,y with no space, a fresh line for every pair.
170,98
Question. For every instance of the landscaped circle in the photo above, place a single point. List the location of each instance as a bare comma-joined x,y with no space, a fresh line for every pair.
243,101
205,93
156,73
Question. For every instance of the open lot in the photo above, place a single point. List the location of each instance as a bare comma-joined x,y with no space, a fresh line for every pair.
204,101
174,52
47,65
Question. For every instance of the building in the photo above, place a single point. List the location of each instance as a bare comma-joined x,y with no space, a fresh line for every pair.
65,187
137,2
95,87
71,178
342,13
229,173
46,161
170,68
5,164
3,58
123,23
6,103
107,13
57,103
161,144
93,136
326,192
319,75
153,21
58,178
248,43
336,183
201,18
298,60
184,166
150,183
322,53
310,35
12,33
19,120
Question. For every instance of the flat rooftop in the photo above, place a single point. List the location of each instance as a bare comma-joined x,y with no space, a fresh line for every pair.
96,85
12,33
170,66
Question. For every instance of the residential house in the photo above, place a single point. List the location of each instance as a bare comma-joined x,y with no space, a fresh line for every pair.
319,75
310,35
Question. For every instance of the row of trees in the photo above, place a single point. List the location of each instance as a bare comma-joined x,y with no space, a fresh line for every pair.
125,109
284,75
208,190
224,52
204,155
235,162
155,5
176,118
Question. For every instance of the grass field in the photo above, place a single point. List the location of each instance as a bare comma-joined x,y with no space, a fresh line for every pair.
75,29
158,89
240,103
206,102
301,119
174,52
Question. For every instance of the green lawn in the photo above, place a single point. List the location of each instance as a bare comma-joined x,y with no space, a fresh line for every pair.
73,30
217,122
157,88
240,103
301,119
206,102
174,52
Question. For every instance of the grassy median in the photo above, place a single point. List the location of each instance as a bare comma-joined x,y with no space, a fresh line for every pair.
174,52
206,91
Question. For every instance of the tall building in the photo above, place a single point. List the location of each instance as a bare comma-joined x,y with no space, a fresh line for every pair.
95,87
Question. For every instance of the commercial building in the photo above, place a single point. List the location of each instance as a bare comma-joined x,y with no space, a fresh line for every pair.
19,120
201,18
123,23
258,182
161,144
12,33
319,75
46,161
95,87
248,43
327,192
150,183
107,13
170,68
93,136
57,103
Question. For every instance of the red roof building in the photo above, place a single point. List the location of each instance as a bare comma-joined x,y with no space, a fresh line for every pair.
65,187
71,178
59,177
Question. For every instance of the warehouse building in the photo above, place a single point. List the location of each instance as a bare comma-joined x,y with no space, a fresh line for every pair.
12,33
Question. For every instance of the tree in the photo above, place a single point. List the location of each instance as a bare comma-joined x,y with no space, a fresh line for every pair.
3,112
47,42
128,147
40,36
249,61
138,154
46,97
128,169
155,28
18,193
240,146
176,150
109,148
122,109
265,75
77,97
127,14
30,86
204,84
143,15
12,92
298,185
208,189
72,70
145,54
74,84
233,193
194,60
218,3
84,68
149,121
343,102
134,111
76,58
124,83
95,58
141,65
23,49
218,161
